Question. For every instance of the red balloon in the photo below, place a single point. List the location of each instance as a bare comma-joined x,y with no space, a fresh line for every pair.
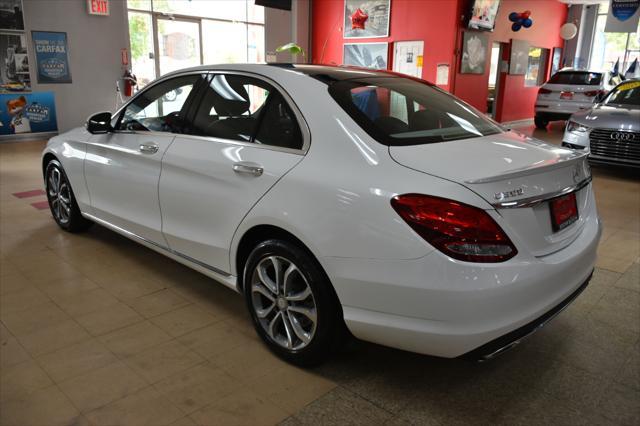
526,14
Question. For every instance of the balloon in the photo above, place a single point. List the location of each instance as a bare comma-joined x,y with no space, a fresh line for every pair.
527,22
516,26
568,31
525,14
514,16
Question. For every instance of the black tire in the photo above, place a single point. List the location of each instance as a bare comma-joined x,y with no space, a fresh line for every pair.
329,330
540,122
71,220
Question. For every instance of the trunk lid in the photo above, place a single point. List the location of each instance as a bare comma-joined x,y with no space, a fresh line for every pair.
507,170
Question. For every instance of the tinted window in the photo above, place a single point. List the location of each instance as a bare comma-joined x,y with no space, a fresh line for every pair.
582,78
627,94
160,108
278,125
231,107
403,111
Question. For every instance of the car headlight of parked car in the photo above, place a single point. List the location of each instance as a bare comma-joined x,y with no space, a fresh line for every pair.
572,126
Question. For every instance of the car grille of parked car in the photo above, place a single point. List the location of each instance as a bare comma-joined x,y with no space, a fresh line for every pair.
615,144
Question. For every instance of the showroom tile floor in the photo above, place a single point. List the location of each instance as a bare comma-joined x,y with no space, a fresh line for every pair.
96,330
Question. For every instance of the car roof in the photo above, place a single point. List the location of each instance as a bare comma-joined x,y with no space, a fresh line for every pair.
325,73
579,70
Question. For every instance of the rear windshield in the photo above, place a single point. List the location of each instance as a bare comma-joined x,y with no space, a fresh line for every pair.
627,94
402,111
582,78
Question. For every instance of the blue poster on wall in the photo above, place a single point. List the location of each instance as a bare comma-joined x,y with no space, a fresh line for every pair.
27,113
52,59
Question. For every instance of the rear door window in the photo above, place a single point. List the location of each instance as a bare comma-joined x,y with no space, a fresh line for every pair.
230,107
580,78
247,109
278,125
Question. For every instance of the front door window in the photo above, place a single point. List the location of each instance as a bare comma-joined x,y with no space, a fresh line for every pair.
161,108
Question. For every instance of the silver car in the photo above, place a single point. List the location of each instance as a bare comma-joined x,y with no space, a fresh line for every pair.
610,130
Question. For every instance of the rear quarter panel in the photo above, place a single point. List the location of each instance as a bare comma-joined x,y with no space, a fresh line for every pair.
337,199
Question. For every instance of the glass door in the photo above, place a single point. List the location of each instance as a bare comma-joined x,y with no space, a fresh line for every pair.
179,44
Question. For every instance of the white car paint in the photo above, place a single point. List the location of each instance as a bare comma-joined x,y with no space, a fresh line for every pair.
559,101
334,196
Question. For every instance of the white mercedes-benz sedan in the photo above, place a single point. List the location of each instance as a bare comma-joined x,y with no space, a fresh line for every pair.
339,199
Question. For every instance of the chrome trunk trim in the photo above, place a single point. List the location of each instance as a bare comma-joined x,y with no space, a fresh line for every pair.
533,201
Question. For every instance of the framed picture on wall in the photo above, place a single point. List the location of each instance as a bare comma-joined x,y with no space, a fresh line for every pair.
14,63
368,55
366,18
519,60
555,60
474,53
11,16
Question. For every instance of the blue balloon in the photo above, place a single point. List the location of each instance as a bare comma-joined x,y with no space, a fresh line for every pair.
516,26
527,22
514,16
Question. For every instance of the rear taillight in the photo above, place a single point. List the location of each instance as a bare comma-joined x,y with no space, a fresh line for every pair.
592,93
458,230
543,91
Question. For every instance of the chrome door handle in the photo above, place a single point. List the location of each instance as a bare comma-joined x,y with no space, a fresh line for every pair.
248,168
149,148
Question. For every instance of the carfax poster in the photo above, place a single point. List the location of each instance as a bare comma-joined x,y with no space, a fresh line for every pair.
22,113
52,59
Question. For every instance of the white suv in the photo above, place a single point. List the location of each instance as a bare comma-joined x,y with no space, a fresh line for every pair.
569,91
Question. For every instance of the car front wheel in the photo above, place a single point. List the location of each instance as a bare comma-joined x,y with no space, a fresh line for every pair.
62,202
292,303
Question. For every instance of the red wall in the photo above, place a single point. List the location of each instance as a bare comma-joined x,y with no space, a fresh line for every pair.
517,100
437,23
433,21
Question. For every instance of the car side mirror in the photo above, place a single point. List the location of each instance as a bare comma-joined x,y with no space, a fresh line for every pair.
599,97
99,123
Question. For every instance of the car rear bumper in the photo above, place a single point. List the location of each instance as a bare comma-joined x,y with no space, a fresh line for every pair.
438,306
559,110
553,116
513,338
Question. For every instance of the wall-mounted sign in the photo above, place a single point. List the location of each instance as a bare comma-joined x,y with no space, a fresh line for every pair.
27,113
52,59
442,74
98,7
623,16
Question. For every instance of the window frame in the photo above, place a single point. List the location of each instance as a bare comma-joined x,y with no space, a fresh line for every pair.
196,97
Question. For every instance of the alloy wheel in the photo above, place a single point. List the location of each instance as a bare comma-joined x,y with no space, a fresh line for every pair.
59,195
283,302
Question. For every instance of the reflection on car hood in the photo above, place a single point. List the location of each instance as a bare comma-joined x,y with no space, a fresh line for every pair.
608,117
